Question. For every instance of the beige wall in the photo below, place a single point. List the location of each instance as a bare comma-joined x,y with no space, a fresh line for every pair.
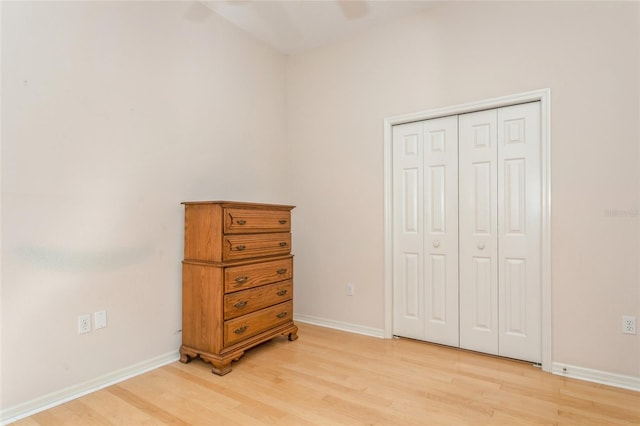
112,114
587,53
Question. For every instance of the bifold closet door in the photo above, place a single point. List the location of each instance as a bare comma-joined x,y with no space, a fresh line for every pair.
478,231
500,225
466,231
519,232
425,208
408,270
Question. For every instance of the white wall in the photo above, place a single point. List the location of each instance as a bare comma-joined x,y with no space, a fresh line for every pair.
587,53
112,114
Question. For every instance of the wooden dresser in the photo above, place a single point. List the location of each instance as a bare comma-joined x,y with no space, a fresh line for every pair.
237,279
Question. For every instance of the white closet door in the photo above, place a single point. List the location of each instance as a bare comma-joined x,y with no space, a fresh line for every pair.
441,230
408,235
467,231
425,211
519,220
478,232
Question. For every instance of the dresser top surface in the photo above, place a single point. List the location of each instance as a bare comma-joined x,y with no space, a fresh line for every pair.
242,204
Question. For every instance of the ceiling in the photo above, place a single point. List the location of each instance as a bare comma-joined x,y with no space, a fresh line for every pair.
293,26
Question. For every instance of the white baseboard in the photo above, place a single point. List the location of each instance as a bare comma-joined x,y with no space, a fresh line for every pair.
61,396
596,376
339,325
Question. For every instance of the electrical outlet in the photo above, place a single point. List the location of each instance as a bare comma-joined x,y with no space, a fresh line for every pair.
349,289
84,324
100,319
629,325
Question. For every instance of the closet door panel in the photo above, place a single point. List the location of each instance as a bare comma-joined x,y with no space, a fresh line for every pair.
478,240
408,231
519,219
441,230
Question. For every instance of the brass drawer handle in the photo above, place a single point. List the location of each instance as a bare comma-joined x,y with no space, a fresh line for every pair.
283,244
281,292
243,279
282,221
241,247
281,271
241,304
242,222
282,314
241,329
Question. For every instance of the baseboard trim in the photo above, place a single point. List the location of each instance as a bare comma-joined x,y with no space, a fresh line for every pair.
596,376
339,325
61,396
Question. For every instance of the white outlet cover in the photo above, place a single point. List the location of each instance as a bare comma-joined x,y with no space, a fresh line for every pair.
84,323
629,325
100,319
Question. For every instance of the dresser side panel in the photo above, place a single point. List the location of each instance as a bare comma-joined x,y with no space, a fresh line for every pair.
202,307
203,232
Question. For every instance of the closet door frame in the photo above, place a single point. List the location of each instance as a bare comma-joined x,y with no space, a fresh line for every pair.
544,97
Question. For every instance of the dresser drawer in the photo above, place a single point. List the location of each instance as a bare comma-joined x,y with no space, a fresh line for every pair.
255,322
249,221
244,277
255,245
243,302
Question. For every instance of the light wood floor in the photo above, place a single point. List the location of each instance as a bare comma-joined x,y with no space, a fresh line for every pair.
328,377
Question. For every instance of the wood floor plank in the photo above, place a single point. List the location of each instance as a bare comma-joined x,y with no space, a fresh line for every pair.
155,413
328,377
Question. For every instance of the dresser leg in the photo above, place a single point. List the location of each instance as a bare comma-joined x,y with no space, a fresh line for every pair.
293,335
186,356
222,365
221,368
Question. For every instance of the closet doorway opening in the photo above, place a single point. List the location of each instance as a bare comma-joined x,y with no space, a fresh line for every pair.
467,228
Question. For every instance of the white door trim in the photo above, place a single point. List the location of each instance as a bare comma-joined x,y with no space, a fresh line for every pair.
542,95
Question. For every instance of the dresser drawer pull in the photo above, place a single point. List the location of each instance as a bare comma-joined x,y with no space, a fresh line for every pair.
243,279
281,292
282,221
281,271
241,304
241,247
283,244
242,222
282,314
241,329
